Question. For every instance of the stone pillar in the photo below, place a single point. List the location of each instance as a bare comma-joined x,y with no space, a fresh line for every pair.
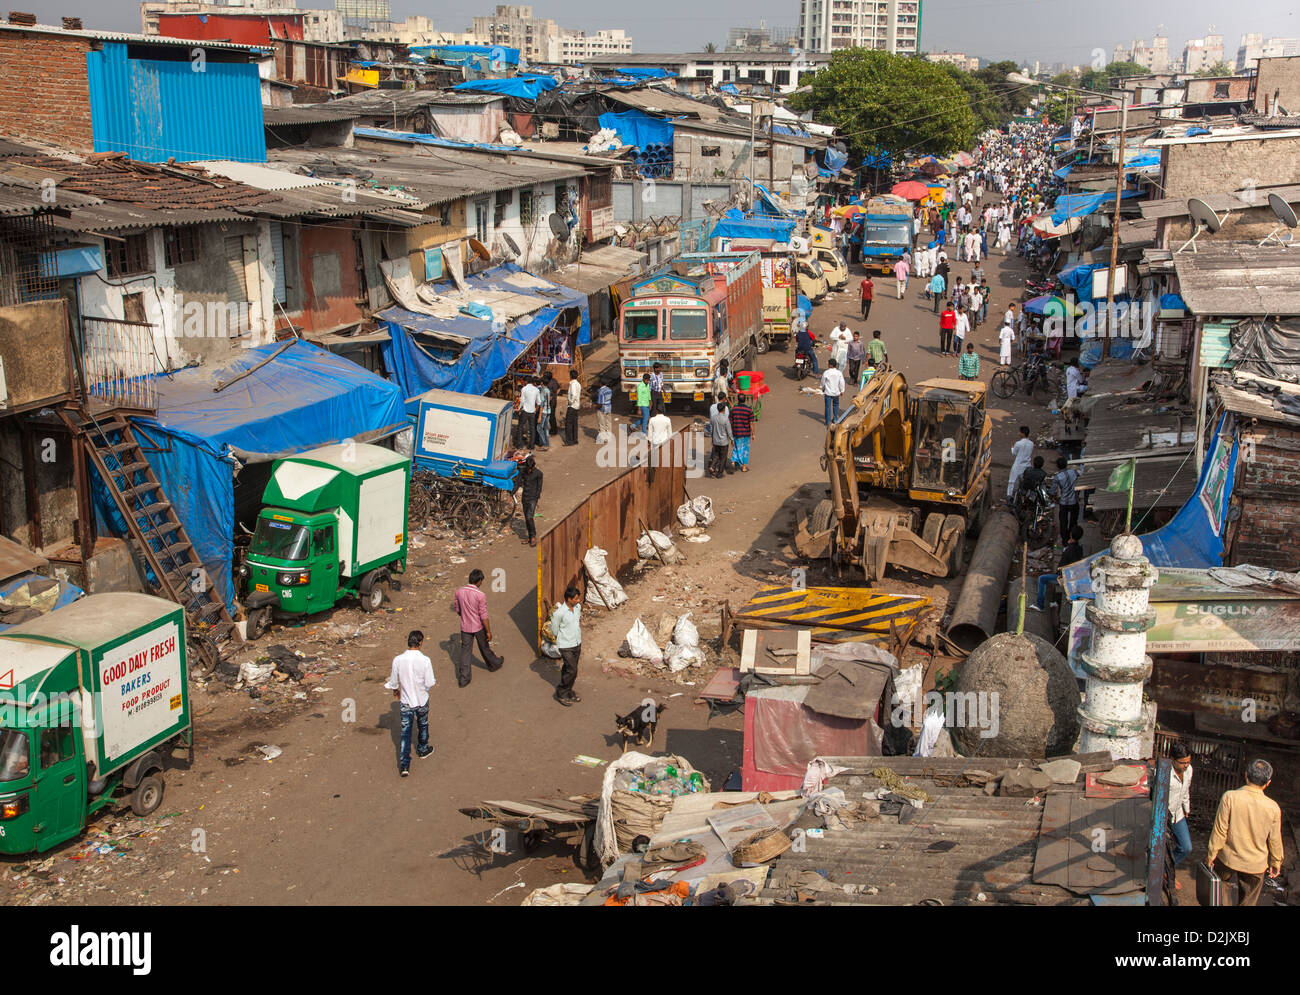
1116,662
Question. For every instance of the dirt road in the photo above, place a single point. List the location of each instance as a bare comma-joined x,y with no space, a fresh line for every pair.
328,820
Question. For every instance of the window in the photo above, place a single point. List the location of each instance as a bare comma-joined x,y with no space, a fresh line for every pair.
783,77
130,256
525,207
14,764
181,245
1221,90
444,215
481,220
322,541
692,325
561,198
57,745
600,190
710,150
640,326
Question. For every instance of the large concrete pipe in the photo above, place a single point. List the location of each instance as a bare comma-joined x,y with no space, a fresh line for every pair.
975,616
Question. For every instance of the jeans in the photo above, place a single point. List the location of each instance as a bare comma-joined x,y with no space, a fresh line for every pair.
855,367
530,508
571,427
1043,582
812,359
645,419
866,309
1182,841
1069,515
937,297
832,408
543,429
529,420
945,340
420,715
718,458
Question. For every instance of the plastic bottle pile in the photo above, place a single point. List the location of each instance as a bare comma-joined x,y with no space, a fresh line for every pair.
659,778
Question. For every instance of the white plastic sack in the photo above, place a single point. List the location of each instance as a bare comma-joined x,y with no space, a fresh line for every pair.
643,645
679,658
510,137
685,633
686,515
252,673
664,544
703,509
551,650
603,589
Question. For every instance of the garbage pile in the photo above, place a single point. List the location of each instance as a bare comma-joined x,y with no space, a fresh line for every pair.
695,516
682,651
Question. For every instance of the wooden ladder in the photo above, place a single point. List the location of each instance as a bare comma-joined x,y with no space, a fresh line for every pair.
156,532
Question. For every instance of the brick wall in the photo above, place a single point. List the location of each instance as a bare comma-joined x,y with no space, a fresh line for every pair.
1195,169
1280,74
1268,488
46,94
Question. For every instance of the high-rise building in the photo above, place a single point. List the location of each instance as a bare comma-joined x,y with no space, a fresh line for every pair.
578,46
1201,53
762,39
884,25
537,38
959,59
1255,46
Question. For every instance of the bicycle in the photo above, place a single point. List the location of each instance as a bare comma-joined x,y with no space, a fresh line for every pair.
1042,376
464,504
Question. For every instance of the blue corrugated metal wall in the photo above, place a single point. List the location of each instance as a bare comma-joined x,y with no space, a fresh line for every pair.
156,110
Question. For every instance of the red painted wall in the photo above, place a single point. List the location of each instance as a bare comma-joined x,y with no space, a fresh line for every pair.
225,27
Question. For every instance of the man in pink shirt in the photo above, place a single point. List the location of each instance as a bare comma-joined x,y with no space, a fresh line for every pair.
470,604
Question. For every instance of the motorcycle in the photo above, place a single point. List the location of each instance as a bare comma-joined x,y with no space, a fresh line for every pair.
801,365
1034,510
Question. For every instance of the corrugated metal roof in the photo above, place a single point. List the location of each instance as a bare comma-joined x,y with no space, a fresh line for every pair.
962,848
307,114
1176,207
1237,392
404,101
1239,279
261,177
127,37
654,100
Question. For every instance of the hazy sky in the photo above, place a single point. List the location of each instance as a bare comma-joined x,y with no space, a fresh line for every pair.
1047,30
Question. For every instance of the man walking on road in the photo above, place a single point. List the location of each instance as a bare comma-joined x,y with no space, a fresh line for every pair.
968,367
571,411
1063,484
868,289
937,286
857,353
1022,456
410,680
529,399
604,413
644,400
470,603
947,324
901,272
720,435
876,350
530,485
657,389
832,388
1246,842
566,626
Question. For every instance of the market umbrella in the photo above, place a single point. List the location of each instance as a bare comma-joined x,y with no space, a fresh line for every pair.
964,159
911,189
1051,304
932,169
848,210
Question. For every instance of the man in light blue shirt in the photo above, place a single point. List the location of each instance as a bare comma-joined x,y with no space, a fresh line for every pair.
937,286
604,409
566,626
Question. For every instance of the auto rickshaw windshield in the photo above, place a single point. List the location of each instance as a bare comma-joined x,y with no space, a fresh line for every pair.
15,759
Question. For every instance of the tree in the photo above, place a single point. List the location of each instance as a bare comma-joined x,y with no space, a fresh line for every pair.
985,107
891,102
710,47
1007,99
1218,69
1099,79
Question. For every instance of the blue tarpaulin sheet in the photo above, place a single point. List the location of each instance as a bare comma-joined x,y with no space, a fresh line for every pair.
769,205
68,593
1193,132
645,72
525,87
419,363
483,56
639,128
420,138
834,160
730,88
735,225
1193,538
303,398
1075,205
1172,302
1079,277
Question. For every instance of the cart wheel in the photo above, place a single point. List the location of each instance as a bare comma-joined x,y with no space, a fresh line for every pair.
259,620
587,848
470,517
419,504
531,841
503,506
764,344
148,795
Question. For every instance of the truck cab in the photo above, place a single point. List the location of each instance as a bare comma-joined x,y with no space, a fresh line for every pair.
822,247
812,279
295,555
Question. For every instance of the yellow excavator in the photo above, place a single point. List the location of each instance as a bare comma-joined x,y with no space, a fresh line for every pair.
909,478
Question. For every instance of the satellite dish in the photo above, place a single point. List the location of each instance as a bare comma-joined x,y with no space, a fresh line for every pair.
558,227
510,243
1204,218
1286,218
479,249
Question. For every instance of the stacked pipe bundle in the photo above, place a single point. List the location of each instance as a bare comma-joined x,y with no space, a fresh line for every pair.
654,161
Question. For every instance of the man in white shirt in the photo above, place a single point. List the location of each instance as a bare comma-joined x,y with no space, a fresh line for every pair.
529,398
571,413
566,626
410,680
1076,384
832,388
1022,455
1006,335
959,331
1180,802
840,337
660,430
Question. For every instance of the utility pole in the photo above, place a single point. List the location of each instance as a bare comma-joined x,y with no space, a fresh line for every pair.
771,148
753,159
1114,225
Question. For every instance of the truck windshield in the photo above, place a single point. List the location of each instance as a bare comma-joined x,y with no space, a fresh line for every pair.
692,324
891,233
640,326
941,446
280,540
14,761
